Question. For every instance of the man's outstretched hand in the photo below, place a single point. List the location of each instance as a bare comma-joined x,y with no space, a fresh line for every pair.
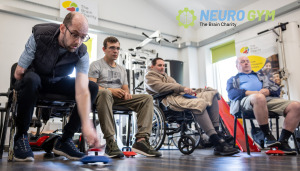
90,136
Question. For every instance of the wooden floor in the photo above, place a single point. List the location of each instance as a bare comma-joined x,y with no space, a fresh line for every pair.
172,160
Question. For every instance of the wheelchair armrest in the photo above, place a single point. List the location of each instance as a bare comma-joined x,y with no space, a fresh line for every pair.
7,93
4,94
163,95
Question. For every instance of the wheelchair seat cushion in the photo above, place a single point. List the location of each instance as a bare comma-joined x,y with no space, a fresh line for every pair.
55,97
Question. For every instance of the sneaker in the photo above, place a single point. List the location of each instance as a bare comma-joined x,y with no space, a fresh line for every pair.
67,149
143,147
112,149
224,149
259,143
228,138
270,141
22,150
258,139
284,146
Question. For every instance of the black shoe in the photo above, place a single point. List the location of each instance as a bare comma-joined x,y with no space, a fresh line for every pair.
284,146
259,143
22,150
67,149
143,147
258,138
228,138
112,149
270,141
224,149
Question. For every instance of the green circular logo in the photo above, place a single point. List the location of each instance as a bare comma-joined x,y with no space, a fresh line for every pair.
186,17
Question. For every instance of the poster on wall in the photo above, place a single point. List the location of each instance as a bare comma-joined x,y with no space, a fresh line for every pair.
262,52
89,8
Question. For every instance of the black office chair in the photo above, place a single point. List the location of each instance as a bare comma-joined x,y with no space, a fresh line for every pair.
54,103
250,115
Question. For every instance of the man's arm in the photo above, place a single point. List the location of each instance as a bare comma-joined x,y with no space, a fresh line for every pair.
247,92
127,94
234,93
116,92
269,87
19,72
26,58
155,84
83,99
125,88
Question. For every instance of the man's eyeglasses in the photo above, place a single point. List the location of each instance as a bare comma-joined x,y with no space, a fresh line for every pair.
114,48
76,36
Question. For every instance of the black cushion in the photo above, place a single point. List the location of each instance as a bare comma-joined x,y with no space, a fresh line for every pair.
121,108
250,115
55,97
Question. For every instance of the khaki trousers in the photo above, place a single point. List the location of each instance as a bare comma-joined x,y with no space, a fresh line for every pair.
142,104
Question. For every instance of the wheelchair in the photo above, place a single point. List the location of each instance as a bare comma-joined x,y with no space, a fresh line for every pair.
180,127
48,105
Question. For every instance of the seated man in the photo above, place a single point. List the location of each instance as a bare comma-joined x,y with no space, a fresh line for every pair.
113,90
50,55
251,91
206,108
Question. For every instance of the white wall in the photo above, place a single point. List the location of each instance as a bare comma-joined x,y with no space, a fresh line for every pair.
16,29
135,13
14,34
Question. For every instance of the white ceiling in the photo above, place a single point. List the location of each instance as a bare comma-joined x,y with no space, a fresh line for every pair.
171,7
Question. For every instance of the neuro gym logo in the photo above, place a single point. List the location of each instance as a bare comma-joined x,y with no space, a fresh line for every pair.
244,50
186,18
70,6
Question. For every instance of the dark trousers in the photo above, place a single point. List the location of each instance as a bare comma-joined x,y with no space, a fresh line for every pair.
28,90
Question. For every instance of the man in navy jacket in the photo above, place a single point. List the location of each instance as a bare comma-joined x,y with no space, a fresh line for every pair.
249,91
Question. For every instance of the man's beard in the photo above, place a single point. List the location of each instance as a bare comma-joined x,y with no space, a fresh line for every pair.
67,47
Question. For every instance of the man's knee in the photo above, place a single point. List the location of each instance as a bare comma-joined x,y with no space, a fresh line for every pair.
258,99
93,87
31,81
294,106
104,94
148,97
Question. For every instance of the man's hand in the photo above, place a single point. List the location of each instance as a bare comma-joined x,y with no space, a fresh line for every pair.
90,136
127,96
189,91
247,93
19,72
117,92
265,92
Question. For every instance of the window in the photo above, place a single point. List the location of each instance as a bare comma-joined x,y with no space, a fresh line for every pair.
224,69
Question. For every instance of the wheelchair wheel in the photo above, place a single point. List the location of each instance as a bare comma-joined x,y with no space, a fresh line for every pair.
193,130
186,144
158,133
